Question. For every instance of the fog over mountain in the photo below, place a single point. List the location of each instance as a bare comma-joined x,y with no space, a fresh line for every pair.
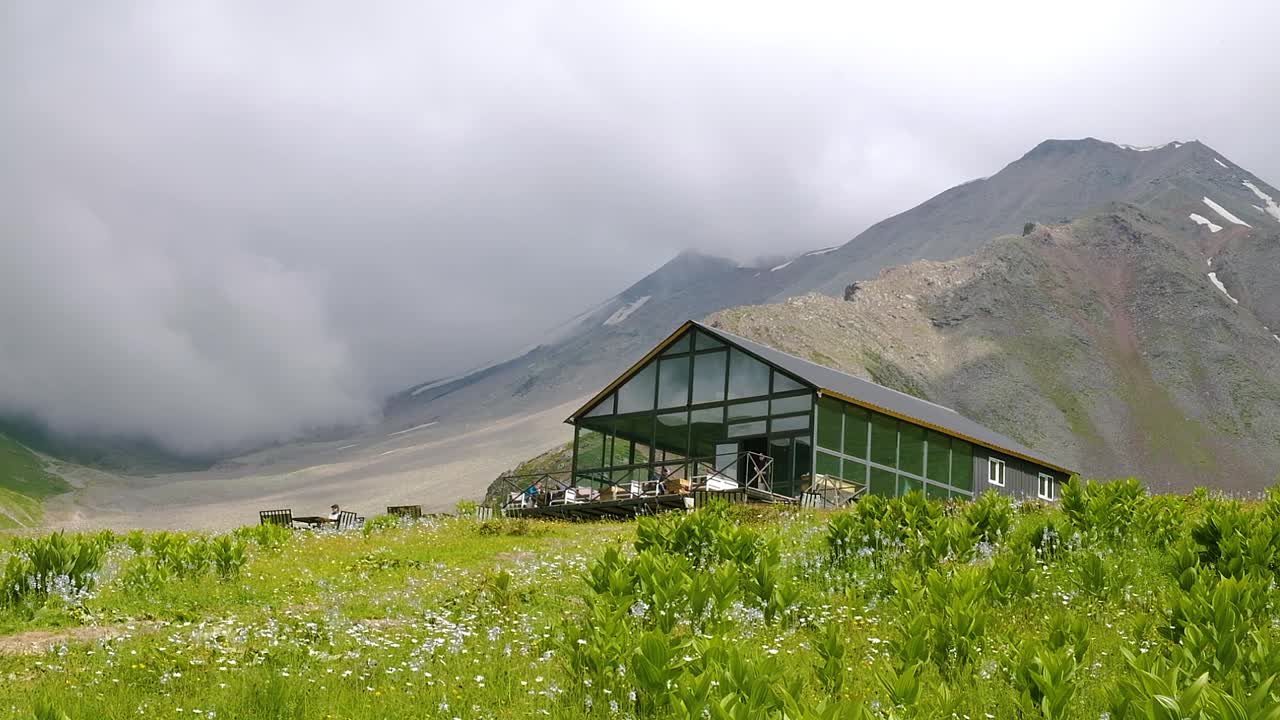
225,224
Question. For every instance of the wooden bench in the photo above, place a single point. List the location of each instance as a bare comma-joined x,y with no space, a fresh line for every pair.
283,518
347,520
405,511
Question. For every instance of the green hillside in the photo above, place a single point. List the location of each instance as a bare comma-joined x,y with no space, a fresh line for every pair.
1114,604
24,485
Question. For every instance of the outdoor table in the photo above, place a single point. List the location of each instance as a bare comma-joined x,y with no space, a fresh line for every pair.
314,520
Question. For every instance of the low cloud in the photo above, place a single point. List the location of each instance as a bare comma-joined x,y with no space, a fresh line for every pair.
231,223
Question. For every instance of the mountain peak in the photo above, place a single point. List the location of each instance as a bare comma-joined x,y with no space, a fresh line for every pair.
1054,146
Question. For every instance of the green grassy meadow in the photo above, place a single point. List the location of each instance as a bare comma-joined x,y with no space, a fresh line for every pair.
1114,604
24,485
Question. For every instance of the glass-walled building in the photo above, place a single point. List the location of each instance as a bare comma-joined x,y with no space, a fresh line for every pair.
708,404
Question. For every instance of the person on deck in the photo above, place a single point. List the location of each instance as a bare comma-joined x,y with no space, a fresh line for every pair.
333,511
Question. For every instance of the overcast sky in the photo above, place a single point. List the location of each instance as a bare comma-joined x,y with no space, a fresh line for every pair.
227,222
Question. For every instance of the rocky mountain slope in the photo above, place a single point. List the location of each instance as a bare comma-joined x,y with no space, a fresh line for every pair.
1057,181
1103,339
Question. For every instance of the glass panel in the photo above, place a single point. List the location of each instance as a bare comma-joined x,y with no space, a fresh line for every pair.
671,433
790,423
641,454
855,431
854,471
635,427
636,394
911,448
936,492
744,429
708,377
706,342
884,440
590,452
681,345
783,480
828,464
608,450
604,407
673,382
961,465
906,485
624,478
727,460
748,377
804,456
706,428
756,409
782,383
830,414
603,423
938,467
793,404
883,482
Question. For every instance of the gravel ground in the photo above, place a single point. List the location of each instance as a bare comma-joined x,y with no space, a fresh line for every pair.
434,466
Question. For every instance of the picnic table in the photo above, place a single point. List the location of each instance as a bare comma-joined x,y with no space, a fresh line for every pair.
314,520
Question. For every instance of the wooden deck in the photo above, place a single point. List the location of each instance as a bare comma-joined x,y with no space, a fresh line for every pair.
647,505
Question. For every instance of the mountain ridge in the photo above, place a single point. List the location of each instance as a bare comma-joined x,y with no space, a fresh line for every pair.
1102,338
1041,186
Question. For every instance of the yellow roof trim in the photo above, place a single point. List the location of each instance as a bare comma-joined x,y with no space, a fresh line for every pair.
688,324
944,431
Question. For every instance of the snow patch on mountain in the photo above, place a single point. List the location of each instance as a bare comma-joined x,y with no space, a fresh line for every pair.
625,311
1202,220
823,251
1226,214
1148,148
1220,163
1213,277
423,426
779,267
1272,208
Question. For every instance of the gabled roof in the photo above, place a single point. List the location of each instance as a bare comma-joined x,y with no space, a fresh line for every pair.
833,383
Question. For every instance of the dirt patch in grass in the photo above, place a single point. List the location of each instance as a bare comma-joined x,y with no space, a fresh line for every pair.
35,642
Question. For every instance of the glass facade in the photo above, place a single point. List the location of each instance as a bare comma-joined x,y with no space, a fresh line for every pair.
891,456
700,406
696,410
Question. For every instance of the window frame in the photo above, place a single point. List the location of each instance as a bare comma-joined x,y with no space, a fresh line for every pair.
1052,495
992,464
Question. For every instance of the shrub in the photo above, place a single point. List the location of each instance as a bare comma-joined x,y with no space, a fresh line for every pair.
379,523
1046,677
66,564
267,537
991,515
229,556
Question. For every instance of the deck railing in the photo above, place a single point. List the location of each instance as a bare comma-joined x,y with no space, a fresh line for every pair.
825,491
679,476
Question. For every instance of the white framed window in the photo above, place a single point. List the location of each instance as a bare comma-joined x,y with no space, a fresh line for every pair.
995,472
1048,490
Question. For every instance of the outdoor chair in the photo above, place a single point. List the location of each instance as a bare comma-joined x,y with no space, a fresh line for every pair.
347,520
520,499
283,518
720,482
405,511
630,490
568,497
